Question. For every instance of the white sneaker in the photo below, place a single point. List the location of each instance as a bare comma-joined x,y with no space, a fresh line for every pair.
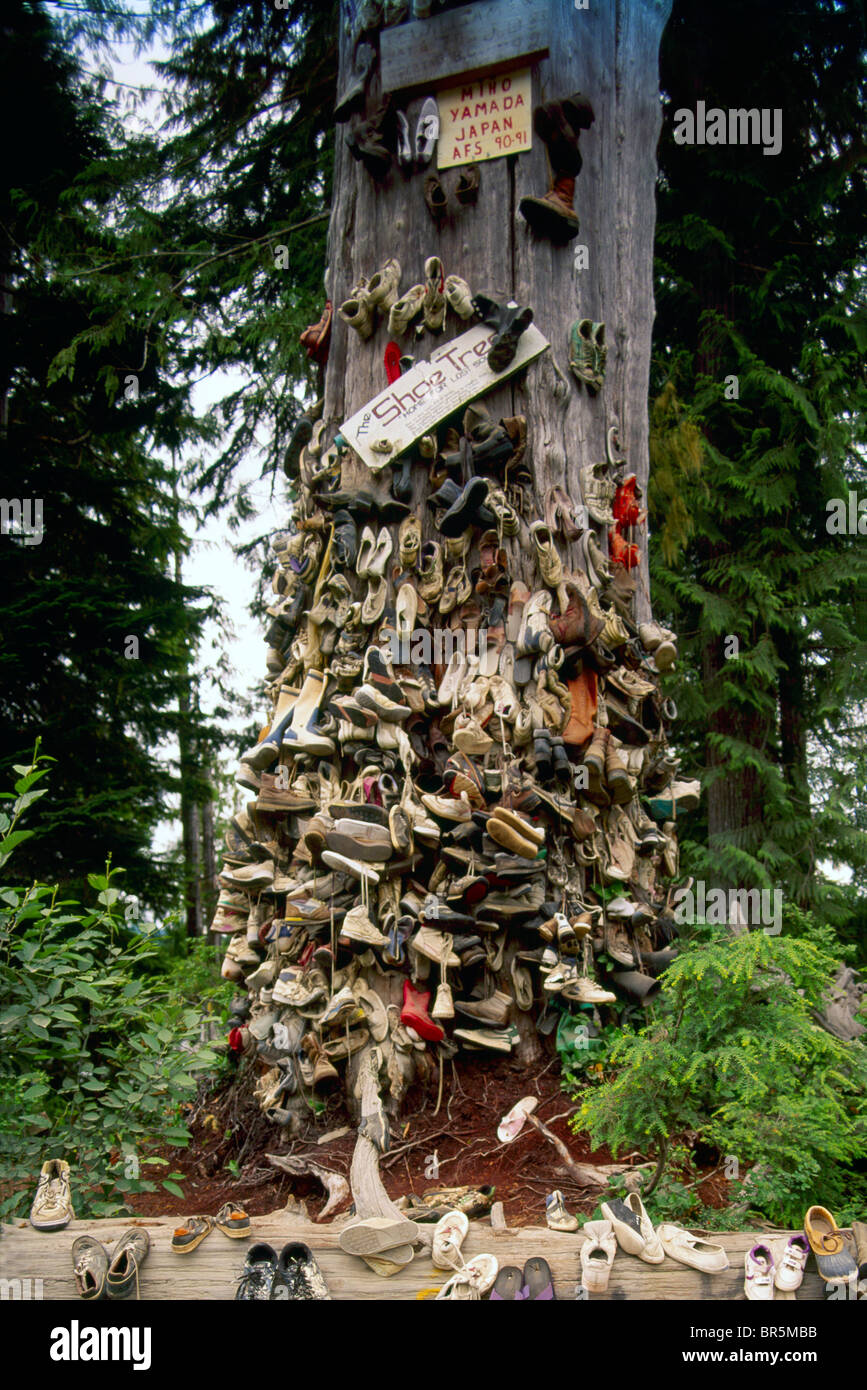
597,1256
790,1260
587,991
52,1204
634,1228
690,1250
759,1273
357,926
556,1215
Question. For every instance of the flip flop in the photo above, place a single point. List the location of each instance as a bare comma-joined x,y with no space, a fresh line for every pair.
507,1285
233,1221
511,1124
191,1234
538,1280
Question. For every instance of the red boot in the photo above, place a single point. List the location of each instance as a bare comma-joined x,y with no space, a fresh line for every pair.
625,506
619,552
414,1013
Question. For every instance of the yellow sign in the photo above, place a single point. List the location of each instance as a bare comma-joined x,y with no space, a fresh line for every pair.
485,119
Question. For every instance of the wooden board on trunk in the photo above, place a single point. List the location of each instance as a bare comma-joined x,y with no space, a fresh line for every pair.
464,43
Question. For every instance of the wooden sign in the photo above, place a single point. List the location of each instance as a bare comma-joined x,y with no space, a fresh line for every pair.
463,44
485,119
429,392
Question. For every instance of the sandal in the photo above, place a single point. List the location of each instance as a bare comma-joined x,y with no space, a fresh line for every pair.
512,1123
507,1285
538,1280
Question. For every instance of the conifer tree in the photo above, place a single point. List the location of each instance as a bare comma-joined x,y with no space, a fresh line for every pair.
758,422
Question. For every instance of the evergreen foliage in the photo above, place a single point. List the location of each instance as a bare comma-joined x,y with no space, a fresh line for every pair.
736,1058
760,281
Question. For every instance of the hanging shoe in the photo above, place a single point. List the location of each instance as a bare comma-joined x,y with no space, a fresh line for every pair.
434,302
382,287
467,187
435,198
353,94
553,215
427,131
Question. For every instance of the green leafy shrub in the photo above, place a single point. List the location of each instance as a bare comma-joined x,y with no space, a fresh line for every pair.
97,1056
735,1056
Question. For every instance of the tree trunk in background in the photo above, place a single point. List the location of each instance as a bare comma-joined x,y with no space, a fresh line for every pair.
209,862
610,54
189,773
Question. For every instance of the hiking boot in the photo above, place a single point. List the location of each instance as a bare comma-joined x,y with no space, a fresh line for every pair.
127,1257
90,1266
576,625
52,1204
553,215
274,795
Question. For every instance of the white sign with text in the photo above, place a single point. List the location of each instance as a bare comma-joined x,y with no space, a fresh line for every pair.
431,391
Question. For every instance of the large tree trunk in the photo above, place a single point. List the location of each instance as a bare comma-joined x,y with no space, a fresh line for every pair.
610,54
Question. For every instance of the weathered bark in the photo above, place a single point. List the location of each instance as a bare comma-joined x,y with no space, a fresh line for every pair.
734,801
610,53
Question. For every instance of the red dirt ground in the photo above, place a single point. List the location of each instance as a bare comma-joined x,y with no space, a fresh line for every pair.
230,1127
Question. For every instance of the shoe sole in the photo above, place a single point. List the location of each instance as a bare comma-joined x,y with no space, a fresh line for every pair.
372,1240
368,851
193,1244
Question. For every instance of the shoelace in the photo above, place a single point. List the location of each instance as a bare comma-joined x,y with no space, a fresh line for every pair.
255,1281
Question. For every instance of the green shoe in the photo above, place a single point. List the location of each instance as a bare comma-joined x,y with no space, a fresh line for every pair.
582,353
